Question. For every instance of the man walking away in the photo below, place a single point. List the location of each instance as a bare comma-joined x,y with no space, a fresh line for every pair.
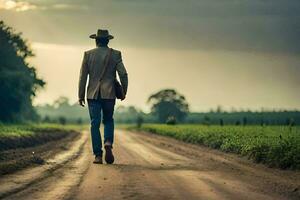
100,65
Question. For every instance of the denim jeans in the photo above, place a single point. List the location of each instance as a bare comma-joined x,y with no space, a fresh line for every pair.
96,108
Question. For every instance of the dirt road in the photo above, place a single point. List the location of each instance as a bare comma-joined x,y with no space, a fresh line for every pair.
153,167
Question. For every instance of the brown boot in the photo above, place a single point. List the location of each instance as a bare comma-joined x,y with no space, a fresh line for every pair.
98,160
109,157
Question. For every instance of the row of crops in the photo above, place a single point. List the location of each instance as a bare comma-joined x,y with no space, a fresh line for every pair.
275,146
27,135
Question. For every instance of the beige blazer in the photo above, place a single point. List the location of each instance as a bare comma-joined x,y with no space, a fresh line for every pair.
93,66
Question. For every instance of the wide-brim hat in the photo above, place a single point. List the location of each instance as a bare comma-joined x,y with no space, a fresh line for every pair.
102,34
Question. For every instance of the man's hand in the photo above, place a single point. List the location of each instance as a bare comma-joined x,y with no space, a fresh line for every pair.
81,102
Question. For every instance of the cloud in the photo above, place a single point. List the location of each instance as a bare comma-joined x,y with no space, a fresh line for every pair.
18,6
245,25
67,7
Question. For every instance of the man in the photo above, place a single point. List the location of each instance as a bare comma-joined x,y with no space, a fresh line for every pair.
101,65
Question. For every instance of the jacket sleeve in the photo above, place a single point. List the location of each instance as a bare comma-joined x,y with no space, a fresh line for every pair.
83,77
122,72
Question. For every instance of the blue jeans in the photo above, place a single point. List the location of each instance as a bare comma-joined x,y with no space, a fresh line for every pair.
106,106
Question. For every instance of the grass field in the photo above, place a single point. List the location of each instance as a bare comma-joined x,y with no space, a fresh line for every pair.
27,135
275,146
20,130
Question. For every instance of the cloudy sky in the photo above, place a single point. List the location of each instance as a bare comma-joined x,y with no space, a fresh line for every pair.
234,53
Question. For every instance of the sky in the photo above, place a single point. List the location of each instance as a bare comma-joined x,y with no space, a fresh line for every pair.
235,53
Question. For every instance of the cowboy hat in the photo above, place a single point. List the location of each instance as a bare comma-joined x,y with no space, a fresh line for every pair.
102,34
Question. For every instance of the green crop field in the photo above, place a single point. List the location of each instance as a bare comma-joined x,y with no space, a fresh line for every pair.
21,130
276,146
27,135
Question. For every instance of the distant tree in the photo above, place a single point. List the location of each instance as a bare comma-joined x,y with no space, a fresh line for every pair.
168,102
79,121
62,120
61,102
46,119
221,122
139,121
245,121
206,120
219,109
233,110
238,123
18,79
132,111
290,122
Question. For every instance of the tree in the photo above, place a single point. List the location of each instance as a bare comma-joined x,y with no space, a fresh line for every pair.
206,120
62,120
245,121
139,121
219,109
79,121
46,119
61,102
221,122
167,103
18,80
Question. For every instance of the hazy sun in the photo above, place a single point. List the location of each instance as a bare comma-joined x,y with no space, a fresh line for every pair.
16,5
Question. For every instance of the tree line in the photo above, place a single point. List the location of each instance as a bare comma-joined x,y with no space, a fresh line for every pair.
62,111
18,79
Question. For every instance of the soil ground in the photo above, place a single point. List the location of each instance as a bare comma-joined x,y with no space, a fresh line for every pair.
149,166
20,158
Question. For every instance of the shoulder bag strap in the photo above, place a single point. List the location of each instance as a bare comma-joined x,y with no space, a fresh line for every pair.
106,62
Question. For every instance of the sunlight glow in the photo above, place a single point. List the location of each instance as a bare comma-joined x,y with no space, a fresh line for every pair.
16,5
